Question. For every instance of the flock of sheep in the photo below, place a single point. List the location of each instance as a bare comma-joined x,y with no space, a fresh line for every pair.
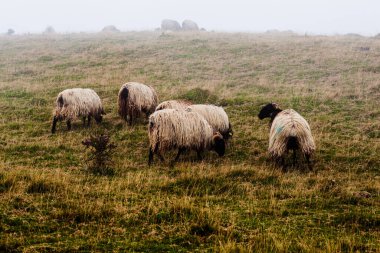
181,125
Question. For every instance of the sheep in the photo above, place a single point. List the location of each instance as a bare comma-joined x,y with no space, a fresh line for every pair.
216,117
170,129
173,104
73,103
288,131
136,98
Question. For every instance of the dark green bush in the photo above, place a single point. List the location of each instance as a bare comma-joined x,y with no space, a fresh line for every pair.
99,157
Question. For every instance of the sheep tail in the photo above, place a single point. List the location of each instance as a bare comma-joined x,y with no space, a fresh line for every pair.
154,135
292,143
123,103
60,101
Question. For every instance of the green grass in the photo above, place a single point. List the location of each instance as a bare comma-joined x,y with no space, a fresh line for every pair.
241,202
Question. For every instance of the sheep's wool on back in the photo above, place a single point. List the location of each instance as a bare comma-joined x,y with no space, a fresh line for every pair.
72,103
215,116
170,128
141,96
289,123
173,104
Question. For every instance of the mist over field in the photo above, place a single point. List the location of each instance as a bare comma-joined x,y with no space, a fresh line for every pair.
315,17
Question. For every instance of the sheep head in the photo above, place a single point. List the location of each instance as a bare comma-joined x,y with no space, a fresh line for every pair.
219,144
268,110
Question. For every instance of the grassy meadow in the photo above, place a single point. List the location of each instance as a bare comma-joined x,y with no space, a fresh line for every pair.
238,203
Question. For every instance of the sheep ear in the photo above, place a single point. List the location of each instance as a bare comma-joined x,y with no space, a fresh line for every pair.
275,105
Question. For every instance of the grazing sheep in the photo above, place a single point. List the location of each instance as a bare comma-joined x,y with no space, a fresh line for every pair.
173,104
289,131
216,117
170,129
136,98
73,103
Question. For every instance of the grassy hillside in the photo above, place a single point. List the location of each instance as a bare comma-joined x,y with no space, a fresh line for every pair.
49,202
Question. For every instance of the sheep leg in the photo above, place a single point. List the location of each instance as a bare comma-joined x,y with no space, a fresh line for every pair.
280,161
89,120
68,123
294,157
180,151
161,157
150,156
157,152
84,121
130,119
309,165
199,155
282,164
54,124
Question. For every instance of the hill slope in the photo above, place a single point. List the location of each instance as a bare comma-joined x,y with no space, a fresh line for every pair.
48,202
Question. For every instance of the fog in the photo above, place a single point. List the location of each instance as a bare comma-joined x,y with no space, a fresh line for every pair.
302,16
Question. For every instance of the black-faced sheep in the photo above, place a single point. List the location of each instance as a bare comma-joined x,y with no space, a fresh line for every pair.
289,131
77,102
171,129
135,99
174,104
216,117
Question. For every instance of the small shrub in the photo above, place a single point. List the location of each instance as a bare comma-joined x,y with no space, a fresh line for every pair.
100,155
204,229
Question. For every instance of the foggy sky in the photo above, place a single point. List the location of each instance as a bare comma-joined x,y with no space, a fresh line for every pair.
311,16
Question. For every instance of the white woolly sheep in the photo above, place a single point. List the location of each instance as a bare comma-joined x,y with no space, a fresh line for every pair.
171,129
216,117
173,104
289,131
77,102
135,99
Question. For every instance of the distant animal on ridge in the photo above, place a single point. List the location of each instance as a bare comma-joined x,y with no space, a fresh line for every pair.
288,131
183,130
77,102
135,99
